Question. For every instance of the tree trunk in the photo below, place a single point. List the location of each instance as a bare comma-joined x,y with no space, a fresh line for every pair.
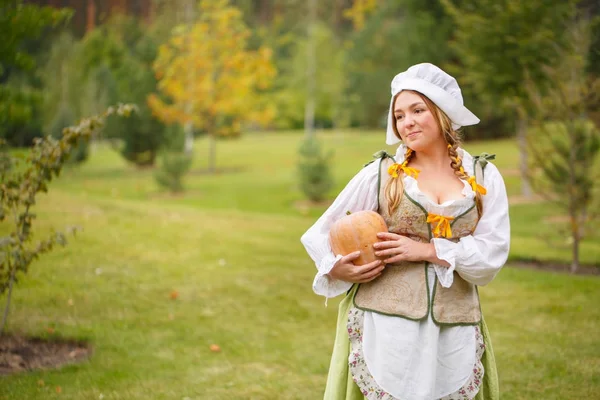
91,15
189,138
573,205
189,132
309,111
575,249
212,153
523,156
8,297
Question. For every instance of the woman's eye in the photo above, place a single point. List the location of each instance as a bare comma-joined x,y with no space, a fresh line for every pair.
418,111
399,117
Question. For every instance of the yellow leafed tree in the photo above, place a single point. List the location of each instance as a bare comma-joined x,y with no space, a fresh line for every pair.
207,76
359,11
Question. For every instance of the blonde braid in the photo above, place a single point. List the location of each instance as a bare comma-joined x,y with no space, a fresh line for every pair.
456,164
394,188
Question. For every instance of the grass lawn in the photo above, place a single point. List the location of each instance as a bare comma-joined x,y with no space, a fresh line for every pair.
230,248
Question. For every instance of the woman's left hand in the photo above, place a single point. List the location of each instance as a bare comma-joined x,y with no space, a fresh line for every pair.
396,248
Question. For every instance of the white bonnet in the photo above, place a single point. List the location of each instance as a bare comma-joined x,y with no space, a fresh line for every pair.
439,87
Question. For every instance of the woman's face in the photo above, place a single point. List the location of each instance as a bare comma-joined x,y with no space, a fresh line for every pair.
415,122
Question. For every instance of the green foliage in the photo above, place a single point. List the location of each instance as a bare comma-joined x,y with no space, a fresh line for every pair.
64,118
20,22
172,168
397,35
116,62
173,163
566,143
20,110
20,100
313,170
290,88
566,156
18,191
500,43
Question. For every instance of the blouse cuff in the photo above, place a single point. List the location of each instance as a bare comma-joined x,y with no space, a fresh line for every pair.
445,250
327,263
325,285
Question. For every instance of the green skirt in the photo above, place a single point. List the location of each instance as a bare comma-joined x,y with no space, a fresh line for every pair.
340,385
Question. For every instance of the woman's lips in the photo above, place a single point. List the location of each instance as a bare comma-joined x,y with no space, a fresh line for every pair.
412,134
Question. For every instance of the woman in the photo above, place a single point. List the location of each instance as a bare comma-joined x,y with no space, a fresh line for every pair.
410,326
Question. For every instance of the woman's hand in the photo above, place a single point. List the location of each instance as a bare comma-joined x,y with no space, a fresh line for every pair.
346,271
396,248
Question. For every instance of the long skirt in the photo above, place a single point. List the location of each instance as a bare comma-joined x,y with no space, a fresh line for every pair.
340,385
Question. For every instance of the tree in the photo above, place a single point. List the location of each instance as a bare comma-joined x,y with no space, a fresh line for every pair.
62,91
227,80
396,35
18,190
21,24
116,62
565,143
359,11
313,169
500,43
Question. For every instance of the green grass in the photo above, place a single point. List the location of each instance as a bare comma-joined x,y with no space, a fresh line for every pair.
230,247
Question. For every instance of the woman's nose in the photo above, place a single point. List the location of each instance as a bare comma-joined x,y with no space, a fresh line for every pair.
409,121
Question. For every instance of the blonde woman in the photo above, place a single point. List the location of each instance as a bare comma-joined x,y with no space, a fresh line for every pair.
410,326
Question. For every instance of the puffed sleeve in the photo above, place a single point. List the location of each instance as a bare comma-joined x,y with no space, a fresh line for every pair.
477,258
359,194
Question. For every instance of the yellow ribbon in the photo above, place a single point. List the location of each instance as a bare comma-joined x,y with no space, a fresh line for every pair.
393,170
476,186
443,228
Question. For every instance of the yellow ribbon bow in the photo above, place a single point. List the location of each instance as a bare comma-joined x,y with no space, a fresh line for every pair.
393,170
443,228
476,186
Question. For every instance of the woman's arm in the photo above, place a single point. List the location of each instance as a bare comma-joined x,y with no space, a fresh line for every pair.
477,258
359,194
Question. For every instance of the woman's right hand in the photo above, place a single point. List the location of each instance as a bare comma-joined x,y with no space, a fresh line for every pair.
344,270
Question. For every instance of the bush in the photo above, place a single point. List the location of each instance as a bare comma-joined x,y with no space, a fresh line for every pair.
313,170
21,183
172,167
64,118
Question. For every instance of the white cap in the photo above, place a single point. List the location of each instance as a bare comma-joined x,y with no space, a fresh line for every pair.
439,87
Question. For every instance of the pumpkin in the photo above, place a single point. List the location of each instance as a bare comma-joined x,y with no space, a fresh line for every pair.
357,232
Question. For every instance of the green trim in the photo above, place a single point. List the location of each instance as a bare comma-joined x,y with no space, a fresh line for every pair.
422,208
461,215
396,315
382,155
429,295
435,321
483,160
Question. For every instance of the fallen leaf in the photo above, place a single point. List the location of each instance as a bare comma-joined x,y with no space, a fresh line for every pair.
70,302
215,348
174,295
58,389
50,330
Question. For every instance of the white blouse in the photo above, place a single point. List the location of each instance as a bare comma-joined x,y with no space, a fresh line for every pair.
424,361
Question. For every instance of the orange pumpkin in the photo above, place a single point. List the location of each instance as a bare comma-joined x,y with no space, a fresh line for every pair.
357,231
